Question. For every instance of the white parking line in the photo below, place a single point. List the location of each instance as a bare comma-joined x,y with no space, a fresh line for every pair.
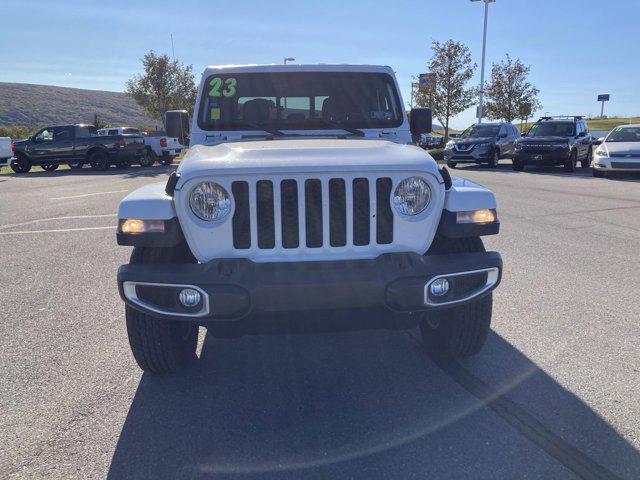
88,195
50,219
111,227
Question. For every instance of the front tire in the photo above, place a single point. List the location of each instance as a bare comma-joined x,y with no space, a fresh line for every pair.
160,346
570,163
460,331
21,164
494,160
166,160
598,173
76,165
451,164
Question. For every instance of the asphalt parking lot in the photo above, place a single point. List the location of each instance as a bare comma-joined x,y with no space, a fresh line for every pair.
554,394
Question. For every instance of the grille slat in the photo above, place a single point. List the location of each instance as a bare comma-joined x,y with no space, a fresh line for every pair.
337,213
384,216
241,217
361,211
312,213
289,213
264,207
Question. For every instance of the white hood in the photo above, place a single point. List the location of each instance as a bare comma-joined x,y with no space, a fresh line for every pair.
304,156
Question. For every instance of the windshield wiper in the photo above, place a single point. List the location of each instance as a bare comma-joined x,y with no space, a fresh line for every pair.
354,131
264,128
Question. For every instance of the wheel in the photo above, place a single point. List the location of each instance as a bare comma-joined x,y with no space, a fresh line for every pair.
158,345
49,167
451,164
493,161
517,164
21,164
148,158
166,160
570,163
99,160
586,161
598,173
76,165
458,331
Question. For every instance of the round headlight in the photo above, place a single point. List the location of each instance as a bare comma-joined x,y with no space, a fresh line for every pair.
412,196
209,201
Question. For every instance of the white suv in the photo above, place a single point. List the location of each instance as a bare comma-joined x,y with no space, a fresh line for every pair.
301,206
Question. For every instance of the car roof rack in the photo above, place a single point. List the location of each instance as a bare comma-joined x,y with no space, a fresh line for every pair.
561,117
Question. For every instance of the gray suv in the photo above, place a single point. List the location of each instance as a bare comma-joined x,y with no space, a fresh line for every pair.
482,143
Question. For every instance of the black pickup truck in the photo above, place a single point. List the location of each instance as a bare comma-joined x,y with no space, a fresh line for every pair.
75,145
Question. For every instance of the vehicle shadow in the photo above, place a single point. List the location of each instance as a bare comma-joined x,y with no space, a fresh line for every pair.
131,172
357,405
505,167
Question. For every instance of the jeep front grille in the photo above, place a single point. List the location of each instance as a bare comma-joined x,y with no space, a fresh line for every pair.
313,213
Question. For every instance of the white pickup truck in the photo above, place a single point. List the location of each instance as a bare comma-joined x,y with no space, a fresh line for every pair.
162,149
302,206
6,151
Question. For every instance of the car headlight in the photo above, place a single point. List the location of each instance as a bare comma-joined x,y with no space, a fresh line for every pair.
602,152
209,201
412,196
449,145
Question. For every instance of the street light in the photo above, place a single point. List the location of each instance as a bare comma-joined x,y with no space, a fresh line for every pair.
484,48
289,59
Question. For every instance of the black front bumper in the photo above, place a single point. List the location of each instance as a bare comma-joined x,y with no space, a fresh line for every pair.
546,158
243,291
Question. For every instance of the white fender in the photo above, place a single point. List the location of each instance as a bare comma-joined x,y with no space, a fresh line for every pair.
148,203
465,195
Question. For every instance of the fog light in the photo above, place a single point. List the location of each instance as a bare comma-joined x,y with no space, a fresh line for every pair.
439,287
189,297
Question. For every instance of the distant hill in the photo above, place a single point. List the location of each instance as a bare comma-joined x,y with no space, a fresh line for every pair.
29,105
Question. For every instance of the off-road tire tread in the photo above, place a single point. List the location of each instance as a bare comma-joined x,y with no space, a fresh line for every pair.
465,327
160,346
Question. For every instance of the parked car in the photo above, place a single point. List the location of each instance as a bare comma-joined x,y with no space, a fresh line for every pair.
618,152
158,148
6,151
555,141
297,216
482,143
75,145
431,140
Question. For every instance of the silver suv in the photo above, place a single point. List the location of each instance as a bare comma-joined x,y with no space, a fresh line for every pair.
482,143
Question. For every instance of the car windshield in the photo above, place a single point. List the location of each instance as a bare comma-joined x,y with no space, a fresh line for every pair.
552,129
628,134
299,101
481,131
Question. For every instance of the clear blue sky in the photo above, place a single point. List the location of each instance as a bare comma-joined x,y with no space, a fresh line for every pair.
576,48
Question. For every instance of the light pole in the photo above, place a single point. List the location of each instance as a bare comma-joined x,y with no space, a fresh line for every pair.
484,49
289,59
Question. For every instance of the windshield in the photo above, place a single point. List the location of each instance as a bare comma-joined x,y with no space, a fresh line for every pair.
481,131
299,101
629,134
552,129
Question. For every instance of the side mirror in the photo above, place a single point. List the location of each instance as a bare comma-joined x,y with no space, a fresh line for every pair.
420,121
176,124
582,134
599,141
503,135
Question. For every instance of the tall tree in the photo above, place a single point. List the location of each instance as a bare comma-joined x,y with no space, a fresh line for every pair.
165,85
510,93
452,66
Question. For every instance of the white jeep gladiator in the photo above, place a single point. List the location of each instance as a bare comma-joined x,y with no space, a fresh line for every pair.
302,206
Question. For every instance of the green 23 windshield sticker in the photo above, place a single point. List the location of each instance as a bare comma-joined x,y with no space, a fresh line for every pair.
229,84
